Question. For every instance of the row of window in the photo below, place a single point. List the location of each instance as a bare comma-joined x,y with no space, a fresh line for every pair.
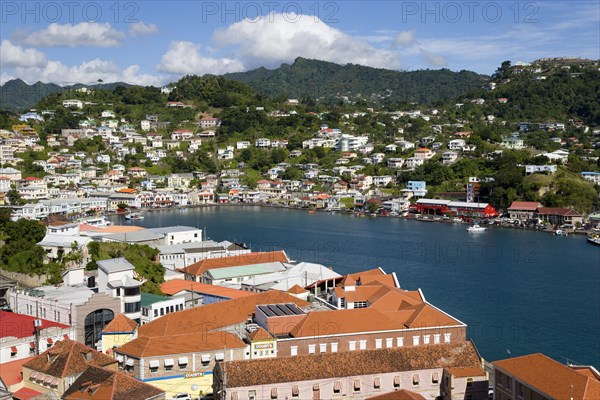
362,344
356,387
163,310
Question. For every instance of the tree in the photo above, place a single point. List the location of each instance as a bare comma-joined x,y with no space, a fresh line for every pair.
13,196
503,71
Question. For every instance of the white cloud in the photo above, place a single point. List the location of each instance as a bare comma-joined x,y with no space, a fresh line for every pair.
433,59
405,38
74,35
277,38
16,56
184,58
142,29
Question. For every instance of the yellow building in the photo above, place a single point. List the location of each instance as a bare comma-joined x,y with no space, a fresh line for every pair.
119,331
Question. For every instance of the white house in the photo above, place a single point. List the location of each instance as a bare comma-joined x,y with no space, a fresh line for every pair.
262,143
116,277
382,180
456,144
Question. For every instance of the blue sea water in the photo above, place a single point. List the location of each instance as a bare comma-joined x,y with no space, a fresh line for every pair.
518,291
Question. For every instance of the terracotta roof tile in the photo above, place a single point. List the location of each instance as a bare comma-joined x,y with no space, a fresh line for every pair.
67,357
260,334
121,323
401,394
10,373
551,377
335,365
215,316
20,326
234,261
296,289
175,286
103,384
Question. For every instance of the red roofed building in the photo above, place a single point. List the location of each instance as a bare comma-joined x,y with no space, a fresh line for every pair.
17,336
537,376
523,210
559,216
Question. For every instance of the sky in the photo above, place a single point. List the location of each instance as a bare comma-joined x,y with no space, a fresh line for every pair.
155,42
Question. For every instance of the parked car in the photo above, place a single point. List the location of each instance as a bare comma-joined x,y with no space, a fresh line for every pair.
182,396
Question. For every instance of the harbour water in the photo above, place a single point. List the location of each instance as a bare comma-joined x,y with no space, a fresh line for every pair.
519,292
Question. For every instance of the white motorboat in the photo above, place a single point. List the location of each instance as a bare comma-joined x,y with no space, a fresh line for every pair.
476,228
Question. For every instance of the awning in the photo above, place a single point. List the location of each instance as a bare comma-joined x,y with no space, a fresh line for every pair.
337,386
357,384
435,377
40,378
273,393
49,340
397,381
183,360
32,375
32,345
154,363
415,379
205,358
129,362
169,362
66,337
377,383
119,358
13,349
220,356
54,382
316,386
47,379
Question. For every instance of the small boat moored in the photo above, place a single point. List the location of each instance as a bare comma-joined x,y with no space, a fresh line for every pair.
134,216
476,228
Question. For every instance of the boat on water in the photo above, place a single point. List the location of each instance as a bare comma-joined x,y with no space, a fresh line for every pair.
133,216
311,211
594,239
100,222
476,228
560,232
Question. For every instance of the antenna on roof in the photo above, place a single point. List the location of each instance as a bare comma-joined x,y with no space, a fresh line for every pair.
508,352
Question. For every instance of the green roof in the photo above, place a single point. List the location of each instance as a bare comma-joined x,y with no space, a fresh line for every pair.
246,270
148,299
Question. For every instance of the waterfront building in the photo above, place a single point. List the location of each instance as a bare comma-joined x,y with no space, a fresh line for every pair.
199,294
559,216
155,306
174,256
523,210
457,208
537,376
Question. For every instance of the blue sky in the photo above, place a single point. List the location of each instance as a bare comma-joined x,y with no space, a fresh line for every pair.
156,42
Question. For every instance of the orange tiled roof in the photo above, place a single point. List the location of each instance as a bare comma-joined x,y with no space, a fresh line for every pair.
178,344
10,373
121,323
551,377
215,316
234,261
296,289
401,394
348,363
260,334
175,286
101,384
68,357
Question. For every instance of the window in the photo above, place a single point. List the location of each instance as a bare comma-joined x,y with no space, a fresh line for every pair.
400,341
499,379
416,380
13,351
294,350
356,385
156,313
295,391
273,393
154,365
425,339
132,307
162,312
352,345
416,340
337,387
389,342
94,323
378,343
397,381
360,304
183,362
311,348
169,364
252,395
377,383
342,302
118,292
509,383
334,347
436,338
362,344
322,347
435,377
132,291
520,388
469,382
447,337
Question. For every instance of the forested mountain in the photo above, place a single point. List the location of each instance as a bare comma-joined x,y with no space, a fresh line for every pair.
316,79
16,95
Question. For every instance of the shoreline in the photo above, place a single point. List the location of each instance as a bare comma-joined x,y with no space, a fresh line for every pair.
311,211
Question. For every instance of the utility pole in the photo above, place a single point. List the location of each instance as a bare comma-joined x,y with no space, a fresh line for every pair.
37,324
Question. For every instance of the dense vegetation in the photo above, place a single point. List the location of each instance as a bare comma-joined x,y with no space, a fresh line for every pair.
19,252
141,256
314,79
